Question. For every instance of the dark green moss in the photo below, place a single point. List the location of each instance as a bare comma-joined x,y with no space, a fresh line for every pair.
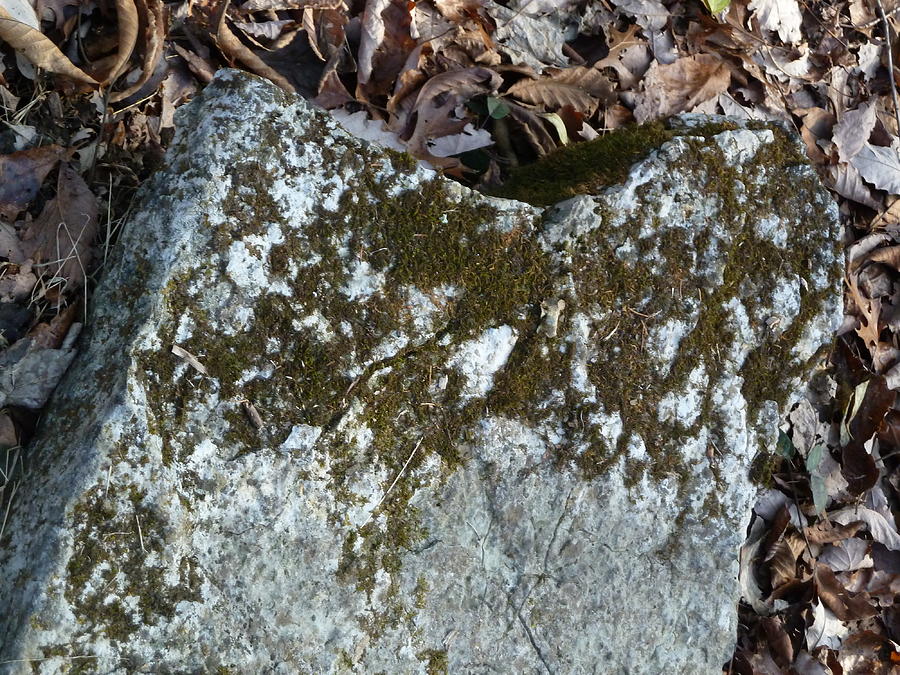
583,168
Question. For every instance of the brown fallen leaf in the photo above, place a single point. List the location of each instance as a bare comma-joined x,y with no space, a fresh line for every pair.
9,438
21,176
234,49
584,89
38,49
829,533
681,86
436,102
783,558
127,17
857,464
779,641
844,605
385,43
60,238
152,16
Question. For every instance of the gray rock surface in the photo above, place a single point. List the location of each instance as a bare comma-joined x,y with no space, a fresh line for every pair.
494,438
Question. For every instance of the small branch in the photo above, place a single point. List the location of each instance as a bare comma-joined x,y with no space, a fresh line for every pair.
890,60
384,496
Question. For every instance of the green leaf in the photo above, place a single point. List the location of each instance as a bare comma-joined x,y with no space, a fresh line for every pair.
496,108
815,458
785,446
716,6
819,493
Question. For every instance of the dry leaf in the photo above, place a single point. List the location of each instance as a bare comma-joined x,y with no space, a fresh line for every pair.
779,16
826,629
153,19
783,558
828,533
38,49
21,176
61,237
681,86
843,604
879,166
190,359
852,554
234,49
438,100
853,130
579,87
878,526
127,17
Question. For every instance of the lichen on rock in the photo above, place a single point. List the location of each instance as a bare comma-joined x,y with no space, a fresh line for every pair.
494,434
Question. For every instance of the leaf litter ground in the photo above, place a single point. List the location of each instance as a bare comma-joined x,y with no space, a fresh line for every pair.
478,88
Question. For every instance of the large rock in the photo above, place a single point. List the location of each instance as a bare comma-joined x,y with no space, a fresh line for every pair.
494,438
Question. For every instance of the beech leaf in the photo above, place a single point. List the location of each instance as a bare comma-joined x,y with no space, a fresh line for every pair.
879,166
38,49
582,88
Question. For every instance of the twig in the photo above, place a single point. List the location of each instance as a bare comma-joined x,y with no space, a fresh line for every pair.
869,24
137,519
388,491
890,60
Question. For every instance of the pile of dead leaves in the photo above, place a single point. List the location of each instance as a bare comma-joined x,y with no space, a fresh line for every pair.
477,87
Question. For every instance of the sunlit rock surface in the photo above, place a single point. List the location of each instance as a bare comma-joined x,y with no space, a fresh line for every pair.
494,438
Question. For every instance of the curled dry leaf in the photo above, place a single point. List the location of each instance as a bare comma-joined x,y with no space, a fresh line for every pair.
234,49
853,130
581,88
879,527
21,176
779,641
152,16
826,629
260,5
851,554
38,49
857,464
127,17
61,237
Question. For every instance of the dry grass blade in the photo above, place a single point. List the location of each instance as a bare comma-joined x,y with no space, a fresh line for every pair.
38,49
152,14
128,33
234,49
